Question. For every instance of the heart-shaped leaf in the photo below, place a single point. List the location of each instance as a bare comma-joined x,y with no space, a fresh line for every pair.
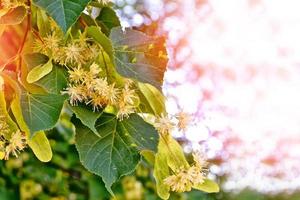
41,112
55,81
115,152
64,12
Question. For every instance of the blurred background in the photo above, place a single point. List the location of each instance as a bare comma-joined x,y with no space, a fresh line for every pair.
235,67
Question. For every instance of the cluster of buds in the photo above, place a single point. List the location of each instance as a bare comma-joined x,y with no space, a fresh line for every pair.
184,179
88,87
75,52
11,146
165,124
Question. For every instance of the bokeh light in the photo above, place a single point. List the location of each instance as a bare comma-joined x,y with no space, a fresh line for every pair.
236,67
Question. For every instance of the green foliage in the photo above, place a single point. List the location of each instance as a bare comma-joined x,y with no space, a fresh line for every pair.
41,112
114,152
108,19
55,81
79,72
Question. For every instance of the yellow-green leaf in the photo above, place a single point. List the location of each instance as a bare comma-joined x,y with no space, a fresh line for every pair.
12,126
208,186
161,171
39,142
174,153
40,146
39,72
151,99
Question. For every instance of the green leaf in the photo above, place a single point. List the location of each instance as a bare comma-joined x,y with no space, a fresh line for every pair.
14,16
139,56
108,19
41,112
151,100
87,116
39,72
35,59
40,146
98,36
64,12
43,22
208,186
39,143
116,152
174,153
55,81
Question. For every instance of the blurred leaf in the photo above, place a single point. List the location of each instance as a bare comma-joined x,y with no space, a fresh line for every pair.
139,56
14,16
161,171
152,101
108,19
208,186
102,39
12,126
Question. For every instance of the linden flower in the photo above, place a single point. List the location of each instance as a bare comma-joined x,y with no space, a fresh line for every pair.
76,94
98,101
163,124
112,94
183,120
95,70
52,42
74,54
39,46
77,75
124,111
128,95
92,51
16,144
100,86
180,182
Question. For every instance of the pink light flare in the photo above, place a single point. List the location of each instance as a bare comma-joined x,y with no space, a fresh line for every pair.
239,74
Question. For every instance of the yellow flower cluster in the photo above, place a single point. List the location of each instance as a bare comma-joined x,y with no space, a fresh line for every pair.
86,86
165,125
14,145
72,53
184,179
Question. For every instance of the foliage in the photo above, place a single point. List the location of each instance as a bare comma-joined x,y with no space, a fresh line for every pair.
82,69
